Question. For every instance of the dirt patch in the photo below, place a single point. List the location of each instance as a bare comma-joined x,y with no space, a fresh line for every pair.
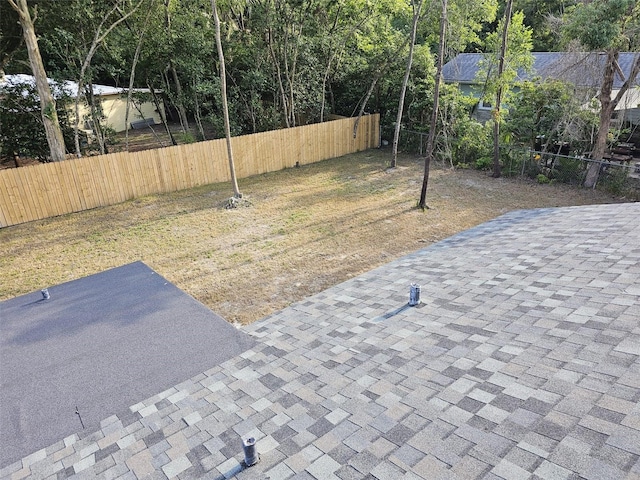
305,229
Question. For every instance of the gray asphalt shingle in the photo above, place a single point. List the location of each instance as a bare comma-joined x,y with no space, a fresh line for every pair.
521,362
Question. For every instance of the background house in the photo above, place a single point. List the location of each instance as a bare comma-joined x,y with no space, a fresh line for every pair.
584,70
113,102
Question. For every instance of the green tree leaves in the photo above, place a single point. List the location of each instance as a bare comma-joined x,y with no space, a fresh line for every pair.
603,24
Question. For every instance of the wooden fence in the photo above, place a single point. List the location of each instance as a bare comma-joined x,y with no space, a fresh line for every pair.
49,189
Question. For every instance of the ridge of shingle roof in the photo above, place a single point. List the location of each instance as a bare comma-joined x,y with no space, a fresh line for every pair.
575,67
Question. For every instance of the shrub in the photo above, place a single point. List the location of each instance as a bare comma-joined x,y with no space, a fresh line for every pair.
21,127
614,180
483,163
542,178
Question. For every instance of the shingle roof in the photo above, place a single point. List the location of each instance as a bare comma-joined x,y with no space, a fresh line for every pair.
523,361
580,68
67,86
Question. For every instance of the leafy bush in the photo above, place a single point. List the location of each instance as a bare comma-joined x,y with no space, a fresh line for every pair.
542,178
484,163
518,161
614,180
21,127
569,170
471,140
552,110
185,137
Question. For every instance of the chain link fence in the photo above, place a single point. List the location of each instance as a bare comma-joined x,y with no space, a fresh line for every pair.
621,179
617,178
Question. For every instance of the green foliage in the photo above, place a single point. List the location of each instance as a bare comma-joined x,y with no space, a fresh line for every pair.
569,170
518,57
21,126
483,163
462,139
10,35
269,42
542,178
466,20
548,109
544,168
185,137
470,140
603,24
377,49
536,17
615,181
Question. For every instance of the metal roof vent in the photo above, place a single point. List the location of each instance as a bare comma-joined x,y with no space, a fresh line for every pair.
414,295
251,456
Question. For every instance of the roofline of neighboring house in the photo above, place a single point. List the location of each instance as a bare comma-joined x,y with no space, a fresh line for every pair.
463,68
69,87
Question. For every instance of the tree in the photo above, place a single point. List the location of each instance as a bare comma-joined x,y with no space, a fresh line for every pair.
539,16
381,70
78,43
287,62
499,89
132,76
434,114
11,37
610,27
225,107
372,63
21,129
53,132
549,110
337,37
100,34
511,50
417,9
182,112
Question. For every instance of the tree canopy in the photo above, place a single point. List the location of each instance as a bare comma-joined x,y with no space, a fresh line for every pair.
292,62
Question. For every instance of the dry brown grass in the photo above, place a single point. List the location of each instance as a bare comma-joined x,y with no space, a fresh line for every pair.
307,229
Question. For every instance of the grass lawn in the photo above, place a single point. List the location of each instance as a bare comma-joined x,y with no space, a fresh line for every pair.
306,229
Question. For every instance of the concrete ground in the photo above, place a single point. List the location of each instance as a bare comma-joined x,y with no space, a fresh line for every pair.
522,361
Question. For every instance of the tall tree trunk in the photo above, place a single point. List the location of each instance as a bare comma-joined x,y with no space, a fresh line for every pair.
276,63
160,110
182,112
325,77
290,74
417,7
381,70
198,116
364,102
97,40
434,113
225,108
95,117
53,132
134,63
498,100
607,107
336,52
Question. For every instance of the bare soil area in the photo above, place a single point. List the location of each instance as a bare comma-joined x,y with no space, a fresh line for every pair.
304,230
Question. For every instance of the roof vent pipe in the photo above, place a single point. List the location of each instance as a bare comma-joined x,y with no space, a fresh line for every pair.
414,295
251,456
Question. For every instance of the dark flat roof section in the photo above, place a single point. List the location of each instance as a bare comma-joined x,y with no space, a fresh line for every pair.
99,344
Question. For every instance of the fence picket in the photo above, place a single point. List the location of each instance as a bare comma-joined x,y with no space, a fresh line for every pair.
47,190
